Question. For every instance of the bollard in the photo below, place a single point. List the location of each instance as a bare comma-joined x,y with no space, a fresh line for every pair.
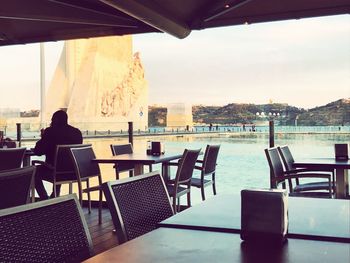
19,134
130,132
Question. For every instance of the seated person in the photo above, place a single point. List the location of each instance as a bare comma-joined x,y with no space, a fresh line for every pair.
59,132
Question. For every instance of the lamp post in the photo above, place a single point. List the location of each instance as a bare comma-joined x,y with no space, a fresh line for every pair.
271,116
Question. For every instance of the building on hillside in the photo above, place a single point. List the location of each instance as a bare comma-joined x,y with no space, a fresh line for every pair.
179,115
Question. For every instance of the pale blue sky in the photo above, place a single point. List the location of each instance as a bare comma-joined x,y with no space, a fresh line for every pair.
304,63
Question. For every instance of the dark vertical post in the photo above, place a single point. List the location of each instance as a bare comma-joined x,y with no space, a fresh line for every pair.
272,144
130,131
271,133
19,134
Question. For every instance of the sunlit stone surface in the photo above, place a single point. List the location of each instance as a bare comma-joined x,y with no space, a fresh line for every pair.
101,83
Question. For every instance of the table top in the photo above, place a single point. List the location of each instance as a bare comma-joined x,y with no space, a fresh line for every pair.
139,158
323,162
312,218
183,245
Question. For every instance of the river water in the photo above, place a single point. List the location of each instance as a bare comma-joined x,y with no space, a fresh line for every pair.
241,161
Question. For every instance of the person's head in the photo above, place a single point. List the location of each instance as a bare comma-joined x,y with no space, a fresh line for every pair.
59,118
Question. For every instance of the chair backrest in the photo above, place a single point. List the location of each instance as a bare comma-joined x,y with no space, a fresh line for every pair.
54,230
186,166
83,165
118,149
15,186
210,158
63,162
121,148
276,166
137,204
11,158
287,157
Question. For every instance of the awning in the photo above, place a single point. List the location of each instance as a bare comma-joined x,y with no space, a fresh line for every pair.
29,21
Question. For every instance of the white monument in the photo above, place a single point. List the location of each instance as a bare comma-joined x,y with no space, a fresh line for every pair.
101,84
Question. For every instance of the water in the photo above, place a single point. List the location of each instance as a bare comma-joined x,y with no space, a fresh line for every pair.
241,161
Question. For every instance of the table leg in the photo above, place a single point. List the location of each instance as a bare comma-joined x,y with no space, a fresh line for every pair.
26,160
138,169
166,171
342,183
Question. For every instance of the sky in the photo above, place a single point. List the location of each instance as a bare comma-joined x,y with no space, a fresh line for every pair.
304,63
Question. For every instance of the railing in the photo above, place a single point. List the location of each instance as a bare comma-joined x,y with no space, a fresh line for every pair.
25,131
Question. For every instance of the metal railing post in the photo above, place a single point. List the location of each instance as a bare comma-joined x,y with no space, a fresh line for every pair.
130,131
19,134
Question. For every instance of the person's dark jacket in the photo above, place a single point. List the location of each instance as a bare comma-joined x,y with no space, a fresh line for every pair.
54,136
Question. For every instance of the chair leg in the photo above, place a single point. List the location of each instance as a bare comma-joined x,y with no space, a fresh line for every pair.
70,188
214,185
150,168
174,204
203,193
189,199
89,195
54,190
100,207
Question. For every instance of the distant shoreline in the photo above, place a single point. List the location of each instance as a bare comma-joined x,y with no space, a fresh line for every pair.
205,133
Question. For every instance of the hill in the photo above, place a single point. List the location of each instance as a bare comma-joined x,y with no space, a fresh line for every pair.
334,113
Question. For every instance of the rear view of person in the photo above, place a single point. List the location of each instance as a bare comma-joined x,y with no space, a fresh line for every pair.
59,132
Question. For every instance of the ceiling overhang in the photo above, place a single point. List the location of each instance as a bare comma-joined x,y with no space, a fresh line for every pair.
29,21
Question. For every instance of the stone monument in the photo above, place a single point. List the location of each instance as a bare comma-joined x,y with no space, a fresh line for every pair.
101,84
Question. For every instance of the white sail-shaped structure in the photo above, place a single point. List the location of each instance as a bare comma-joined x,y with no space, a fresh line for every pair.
101,84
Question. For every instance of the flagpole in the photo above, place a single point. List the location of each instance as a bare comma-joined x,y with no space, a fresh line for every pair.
42,85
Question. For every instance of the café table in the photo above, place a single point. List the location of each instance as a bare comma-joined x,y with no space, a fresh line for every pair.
341,168
140,159
309,218
188,245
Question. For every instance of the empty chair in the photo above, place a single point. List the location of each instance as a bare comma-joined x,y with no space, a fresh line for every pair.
207,167
62,171
181,185
280,176
137,204
288,162
16,186
118,149
86,169
49,231
11,158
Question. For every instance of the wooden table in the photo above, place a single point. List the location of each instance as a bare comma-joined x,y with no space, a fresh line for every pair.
309,218
341,172
141,159
184,245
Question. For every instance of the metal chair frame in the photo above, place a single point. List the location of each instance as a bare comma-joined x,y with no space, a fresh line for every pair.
11,158
207,168
38,233
132,200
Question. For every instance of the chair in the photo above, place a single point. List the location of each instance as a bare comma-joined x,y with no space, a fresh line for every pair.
207,168
288,162
280,176
137,204
181,185
49,231
15,186
118,149
62,171
85,169
11,158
